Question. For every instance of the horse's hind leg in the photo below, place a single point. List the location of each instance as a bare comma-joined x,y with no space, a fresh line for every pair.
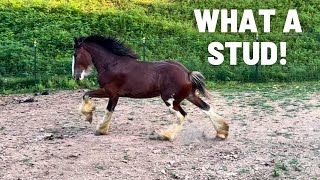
218,121
104,125
171,132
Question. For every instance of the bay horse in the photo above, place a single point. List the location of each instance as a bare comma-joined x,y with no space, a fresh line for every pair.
120,74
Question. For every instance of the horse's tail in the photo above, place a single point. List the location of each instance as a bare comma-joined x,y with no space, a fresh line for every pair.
197,80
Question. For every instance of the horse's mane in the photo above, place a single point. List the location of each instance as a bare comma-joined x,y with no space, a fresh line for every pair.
111,44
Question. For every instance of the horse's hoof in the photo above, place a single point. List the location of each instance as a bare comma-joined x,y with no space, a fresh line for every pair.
223,132
98,133
153,135
89,119
157,136
221,136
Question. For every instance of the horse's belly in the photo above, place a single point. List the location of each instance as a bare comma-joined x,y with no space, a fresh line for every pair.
145,86
140,92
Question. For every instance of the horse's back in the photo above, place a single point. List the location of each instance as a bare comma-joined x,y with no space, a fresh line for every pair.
167,66
151,79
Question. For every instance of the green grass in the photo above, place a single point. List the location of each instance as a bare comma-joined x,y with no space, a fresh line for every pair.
285,166
295,164
28,162
168,26
270,91
279,168
291,96
21,85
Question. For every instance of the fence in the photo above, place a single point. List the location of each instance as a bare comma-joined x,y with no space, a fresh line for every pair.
38,61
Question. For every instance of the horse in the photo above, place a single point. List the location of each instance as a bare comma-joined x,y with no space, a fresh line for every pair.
120,74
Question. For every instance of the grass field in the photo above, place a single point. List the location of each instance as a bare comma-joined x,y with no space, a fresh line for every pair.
170,31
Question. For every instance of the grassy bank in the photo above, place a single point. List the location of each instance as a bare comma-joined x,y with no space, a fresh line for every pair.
170,31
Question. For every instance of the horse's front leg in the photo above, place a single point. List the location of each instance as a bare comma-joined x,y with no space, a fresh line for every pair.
87,107
104,125
98,93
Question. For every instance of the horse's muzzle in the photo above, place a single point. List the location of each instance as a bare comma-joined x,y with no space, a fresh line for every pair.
76,78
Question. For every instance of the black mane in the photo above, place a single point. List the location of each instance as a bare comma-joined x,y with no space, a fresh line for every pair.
110,43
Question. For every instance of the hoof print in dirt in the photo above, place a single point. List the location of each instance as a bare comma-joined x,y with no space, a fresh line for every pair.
73,156
51,136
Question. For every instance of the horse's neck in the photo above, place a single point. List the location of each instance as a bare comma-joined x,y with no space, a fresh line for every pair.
100,57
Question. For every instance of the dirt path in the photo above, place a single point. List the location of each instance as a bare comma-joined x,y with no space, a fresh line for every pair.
269,138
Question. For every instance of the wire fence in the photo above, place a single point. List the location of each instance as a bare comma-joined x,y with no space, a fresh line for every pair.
37,61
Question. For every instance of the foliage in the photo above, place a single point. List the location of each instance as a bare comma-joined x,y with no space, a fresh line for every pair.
168,26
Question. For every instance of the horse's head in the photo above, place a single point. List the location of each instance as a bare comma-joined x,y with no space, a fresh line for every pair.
82,60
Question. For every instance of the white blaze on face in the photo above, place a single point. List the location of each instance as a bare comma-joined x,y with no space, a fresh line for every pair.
83,74
73,65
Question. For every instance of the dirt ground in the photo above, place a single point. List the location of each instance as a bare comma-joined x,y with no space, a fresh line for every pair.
270,137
